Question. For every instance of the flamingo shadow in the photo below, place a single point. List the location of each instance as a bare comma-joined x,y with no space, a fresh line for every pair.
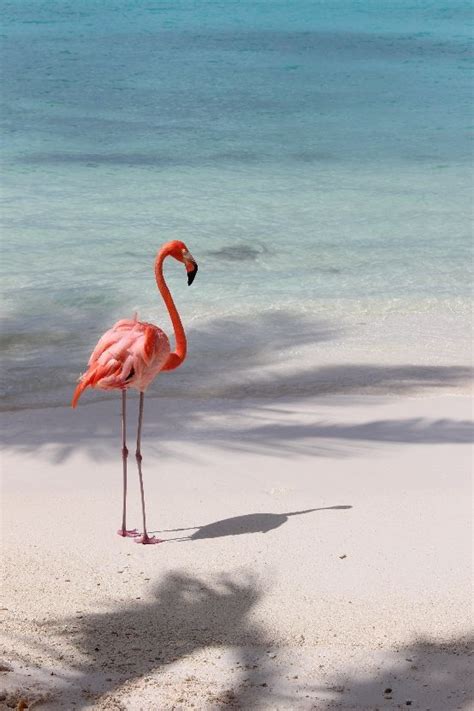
238,525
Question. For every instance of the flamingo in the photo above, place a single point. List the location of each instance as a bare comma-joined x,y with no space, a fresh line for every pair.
130,355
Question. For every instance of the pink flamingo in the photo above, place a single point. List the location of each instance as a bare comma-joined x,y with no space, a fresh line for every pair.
130,355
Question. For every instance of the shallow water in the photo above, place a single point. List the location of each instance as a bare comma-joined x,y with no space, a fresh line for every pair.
315,157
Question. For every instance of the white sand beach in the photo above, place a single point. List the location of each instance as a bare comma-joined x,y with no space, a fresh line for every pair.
317,555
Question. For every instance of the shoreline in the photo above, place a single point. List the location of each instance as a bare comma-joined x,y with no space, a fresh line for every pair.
270,354
323,398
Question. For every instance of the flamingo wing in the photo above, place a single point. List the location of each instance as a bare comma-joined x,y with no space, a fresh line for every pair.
130,354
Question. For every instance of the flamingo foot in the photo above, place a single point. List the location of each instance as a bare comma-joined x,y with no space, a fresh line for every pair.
133,533
148,540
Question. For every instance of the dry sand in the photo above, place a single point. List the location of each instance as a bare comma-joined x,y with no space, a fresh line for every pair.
317,555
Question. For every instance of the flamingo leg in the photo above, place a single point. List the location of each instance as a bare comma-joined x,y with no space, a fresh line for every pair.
123,530
145,538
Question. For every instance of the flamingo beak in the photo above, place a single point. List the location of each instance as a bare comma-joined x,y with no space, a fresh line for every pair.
191,267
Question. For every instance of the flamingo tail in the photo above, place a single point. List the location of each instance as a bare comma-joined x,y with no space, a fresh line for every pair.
99,372
81,386
87,379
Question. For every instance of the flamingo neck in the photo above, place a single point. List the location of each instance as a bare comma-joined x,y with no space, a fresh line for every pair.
176,358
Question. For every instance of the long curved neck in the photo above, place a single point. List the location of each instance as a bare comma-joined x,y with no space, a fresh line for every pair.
176,358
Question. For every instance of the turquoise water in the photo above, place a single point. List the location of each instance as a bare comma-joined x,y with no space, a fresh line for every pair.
314,156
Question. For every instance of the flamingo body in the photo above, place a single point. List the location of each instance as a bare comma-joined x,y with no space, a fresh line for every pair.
128,355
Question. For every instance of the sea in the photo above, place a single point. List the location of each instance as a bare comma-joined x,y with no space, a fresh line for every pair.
314,155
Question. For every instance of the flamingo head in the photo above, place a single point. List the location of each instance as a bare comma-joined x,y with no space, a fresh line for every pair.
179,251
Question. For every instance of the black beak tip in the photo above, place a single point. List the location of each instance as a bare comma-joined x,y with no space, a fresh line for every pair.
192,274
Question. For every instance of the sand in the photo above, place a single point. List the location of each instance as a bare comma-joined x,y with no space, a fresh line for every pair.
317,555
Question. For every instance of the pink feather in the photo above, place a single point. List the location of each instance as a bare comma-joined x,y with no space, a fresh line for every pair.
129,355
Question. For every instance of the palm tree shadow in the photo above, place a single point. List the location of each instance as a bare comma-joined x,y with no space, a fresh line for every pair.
183,615
238,525
431,674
